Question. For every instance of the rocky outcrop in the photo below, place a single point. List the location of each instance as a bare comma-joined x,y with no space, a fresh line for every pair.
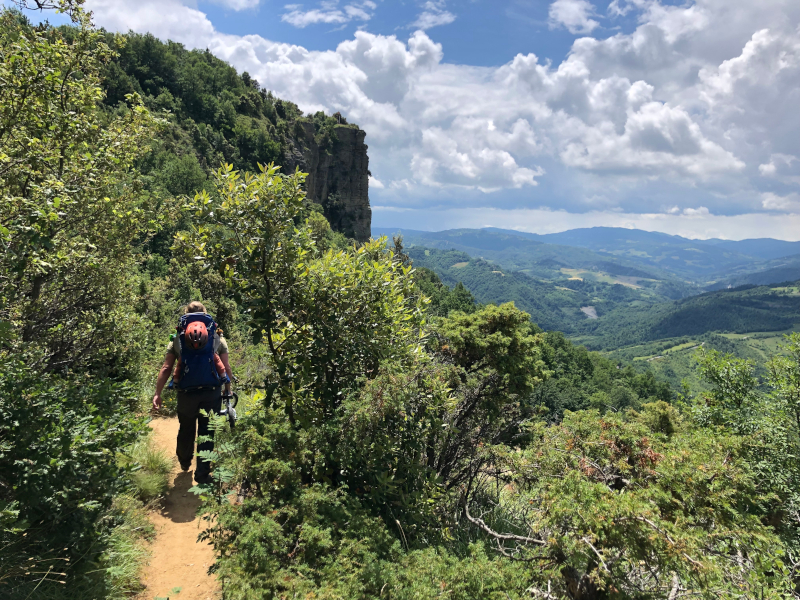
338,175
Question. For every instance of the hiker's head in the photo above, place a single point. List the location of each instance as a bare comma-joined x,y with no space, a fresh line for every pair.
195,307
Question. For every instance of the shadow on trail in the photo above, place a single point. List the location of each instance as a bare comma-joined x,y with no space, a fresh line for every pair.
181,505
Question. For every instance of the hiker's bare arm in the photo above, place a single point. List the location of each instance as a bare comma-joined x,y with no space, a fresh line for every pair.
163,377
227,364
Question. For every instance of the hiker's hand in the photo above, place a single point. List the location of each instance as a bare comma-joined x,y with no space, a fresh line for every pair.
157,401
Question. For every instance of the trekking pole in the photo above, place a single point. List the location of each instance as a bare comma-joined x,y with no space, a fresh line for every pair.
230,400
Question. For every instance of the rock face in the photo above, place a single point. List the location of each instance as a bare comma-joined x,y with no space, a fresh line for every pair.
338,176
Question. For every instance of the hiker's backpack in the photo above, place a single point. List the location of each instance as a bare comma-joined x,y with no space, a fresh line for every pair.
198,369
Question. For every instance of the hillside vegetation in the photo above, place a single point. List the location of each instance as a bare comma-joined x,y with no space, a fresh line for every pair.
73,219
208,115
391,445
675,359
214,115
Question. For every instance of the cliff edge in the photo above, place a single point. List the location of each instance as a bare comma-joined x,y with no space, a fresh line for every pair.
338,175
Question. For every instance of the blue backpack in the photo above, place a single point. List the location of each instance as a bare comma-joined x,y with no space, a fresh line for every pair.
198,369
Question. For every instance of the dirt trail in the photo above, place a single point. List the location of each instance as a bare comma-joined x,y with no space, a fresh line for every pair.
178,560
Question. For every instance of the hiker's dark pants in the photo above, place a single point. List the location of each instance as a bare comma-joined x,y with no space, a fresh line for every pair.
191,421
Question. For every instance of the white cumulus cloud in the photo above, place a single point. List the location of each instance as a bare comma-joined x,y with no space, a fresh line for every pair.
787,203
782,167
434,13
700,211
327,12
238,4
574,15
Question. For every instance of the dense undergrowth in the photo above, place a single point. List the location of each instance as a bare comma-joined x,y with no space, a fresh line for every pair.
400,440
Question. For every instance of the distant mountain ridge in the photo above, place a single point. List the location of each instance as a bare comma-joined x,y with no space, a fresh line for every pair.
774,271
763,248
595,237
516,251
701,262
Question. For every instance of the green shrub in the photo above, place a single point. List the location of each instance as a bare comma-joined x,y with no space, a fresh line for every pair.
58,467
598,504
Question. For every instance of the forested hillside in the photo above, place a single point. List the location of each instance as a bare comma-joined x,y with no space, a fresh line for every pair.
547,262
740,310
554,304
550,307
396,439
215,115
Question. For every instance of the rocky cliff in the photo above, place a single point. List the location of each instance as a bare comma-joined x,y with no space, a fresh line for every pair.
338,175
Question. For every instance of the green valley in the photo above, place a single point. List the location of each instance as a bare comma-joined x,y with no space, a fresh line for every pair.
632,324
554,305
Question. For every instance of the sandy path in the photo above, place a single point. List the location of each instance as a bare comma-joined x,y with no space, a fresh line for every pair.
178,560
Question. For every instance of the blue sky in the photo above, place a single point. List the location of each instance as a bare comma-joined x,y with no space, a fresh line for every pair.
481,33
535,115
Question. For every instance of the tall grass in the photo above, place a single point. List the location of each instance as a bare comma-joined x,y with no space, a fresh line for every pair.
126,553
152,466
114,574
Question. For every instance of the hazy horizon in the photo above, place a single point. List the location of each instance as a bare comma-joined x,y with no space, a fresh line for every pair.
554,231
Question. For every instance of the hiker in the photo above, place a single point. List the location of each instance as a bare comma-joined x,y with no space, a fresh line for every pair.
198,347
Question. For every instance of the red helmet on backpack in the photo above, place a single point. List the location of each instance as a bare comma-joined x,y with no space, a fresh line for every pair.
196,335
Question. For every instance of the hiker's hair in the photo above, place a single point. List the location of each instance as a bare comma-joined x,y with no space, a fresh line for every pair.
195,307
